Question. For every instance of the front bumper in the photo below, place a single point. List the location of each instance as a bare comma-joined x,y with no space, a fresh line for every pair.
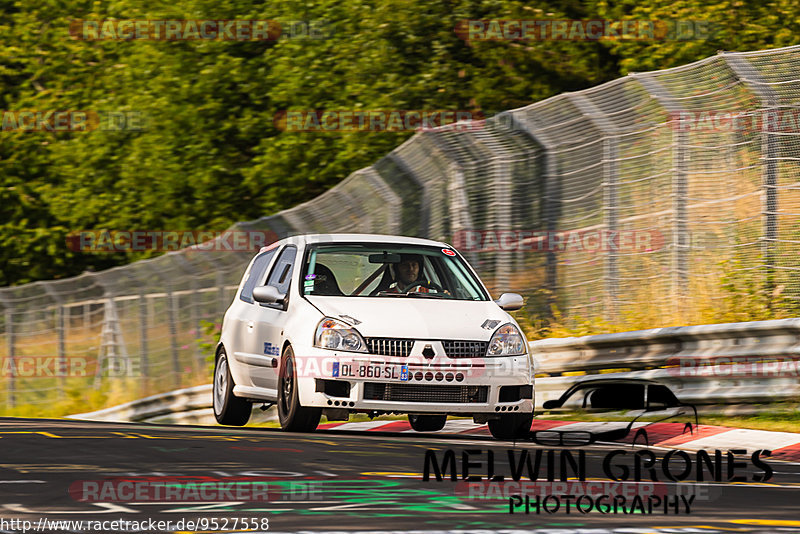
439,385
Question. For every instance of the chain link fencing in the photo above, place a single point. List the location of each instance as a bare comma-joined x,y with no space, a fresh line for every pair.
627,204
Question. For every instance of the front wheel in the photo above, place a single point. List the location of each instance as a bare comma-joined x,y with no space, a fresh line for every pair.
228,408
292,416
513,426
427,423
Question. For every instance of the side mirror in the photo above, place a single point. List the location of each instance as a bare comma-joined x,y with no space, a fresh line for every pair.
510,301
268,295
552,404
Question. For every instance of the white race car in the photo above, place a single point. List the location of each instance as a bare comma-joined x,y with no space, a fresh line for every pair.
334,324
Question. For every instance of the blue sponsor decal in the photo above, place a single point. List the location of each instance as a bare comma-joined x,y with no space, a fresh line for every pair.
404,372
335,371
271,350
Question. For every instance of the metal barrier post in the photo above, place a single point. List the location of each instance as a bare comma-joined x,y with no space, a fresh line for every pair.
610,193
680,190
61,363
9,317
550,204
769,147
221,301
173,335
143,340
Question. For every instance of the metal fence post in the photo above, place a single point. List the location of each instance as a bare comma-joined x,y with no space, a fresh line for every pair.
173,334
62,358
611,221
680,190
415,214
143,340
221,301
10,342
392,201
600,121
550,204
501,217
194,317
768,99
61,364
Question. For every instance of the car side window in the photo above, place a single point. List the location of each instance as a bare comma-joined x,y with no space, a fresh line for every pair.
281,273
256,276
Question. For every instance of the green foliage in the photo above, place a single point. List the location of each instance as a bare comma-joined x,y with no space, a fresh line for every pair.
210,154
208,341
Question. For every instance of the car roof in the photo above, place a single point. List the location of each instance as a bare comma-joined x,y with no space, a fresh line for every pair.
360,238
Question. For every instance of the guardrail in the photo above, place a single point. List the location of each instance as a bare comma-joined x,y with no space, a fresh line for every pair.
731,367
189,406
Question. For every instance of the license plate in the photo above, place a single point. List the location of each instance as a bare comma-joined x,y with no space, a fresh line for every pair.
370,370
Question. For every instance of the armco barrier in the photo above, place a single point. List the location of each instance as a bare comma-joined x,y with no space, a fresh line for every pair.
660,156
721,365
190,406
735,367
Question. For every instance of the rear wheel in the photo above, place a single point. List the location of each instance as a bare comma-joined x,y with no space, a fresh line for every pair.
228,408
292,416
513,426
427,423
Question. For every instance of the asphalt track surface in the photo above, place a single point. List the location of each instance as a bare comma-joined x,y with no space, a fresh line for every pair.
329,481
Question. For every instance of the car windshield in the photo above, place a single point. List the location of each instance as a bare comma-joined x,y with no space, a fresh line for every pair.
388,271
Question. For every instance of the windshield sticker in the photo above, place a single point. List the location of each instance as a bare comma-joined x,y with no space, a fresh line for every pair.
310,276
448,252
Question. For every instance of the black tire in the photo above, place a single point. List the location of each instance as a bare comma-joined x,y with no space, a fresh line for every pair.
292,416
512,426
228,408
427,423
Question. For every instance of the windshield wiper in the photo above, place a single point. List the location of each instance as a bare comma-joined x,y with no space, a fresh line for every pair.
429,295
414,295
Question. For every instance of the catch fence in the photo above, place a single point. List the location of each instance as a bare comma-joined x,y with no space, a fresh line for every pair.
657,191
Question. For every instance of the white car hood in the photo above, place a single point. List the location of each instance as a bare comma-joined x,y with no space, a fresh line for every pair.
417,318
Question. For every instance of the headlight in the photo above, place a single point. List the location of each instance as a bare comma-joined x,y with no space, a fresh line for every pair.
507,341
335,335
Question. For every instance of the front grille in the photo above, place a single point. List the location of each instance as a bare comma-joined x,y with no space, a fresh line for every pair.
465,349
386,346
421,393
